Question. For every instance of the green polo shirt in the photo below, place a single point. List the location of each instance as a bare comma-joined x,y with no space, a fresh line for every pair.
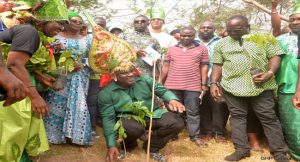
113,98
236,77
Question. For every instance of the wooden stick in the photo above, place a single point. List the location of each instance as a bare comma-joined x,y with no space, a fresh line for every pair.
264,8
152,105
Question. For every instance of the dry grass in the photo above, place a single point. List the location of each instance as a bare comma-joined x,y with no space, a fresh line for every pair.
181,150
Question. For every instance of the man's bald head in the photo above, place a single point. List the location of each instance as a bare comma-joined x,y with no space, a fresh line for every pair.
101,22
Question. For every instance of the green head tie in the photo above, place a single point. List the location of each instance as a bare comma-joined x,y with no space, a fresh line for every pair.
157,13
296,7
52,10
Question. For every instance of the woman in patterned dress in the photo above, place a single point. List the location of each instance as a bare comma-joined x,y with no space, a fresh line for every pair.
69,115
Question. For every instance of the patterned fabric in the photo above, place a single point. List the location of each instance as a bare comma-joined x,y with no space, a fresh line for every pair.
69,115
157,13
108,53
238,60
139,40
185,64
287,74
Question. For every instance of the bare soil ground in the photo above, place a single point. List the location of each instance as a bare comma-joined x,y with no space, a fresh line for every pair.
181,150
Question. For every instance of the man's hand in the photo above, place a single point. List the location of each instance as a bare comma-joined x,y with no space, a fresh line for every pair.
176,106
275,3
47,80
16,90
296,100
141,53
215,92
77,66
262,77
204,88
39,105
112,154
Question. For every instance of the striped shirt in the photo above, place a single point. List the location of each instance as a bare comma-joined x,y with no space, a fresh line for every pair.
184,70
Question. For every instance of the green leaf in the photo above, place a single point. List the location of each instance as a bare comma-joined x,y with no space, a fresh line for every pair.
62,60
124,136
117,125
121,132
16,152
70,65
139,120
260,39
66,54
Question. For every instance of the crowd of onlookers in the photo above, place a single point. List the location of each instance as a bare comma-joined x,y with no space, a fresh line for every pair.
200,80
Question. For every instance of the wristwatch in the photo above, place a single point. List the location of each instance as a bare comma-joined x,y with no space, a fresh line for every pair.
216,83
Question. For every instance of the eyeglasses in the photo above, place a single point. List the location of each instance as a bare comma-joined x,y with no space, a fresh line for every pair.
139,21
76,22
190,36
127,74
235,30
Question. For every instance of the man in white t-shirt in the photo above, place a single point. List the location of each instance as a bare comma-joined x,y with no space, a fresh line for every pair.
157,20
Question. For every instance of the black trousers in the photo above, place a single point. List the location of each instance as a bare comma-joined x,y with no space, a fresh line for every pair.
263,107
92,102
214,116
163,129
253,124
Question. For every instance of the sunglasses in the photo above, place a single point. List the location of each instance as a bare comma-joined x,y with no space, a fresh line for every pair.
189,36
139,21
206,27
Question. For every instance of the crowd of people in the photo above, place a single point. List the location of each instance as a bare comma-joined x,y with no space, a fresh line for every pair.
60,81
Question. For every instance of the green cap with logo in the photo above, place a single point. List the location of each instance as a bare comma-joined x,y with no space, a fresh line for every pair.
157,13
296,7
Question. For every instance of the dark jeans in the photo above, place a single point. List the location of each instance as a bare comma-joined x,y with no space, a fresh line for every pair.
191,101
214,116
263,107
163,129
92,101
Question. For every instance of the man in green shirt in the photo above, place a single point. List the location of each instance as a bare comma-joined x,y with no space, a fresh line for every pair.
127,88
247,72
